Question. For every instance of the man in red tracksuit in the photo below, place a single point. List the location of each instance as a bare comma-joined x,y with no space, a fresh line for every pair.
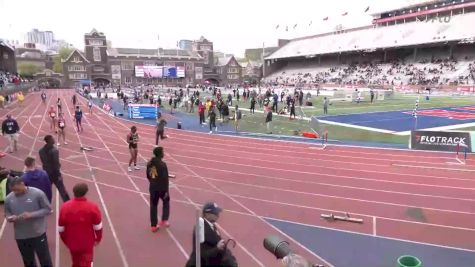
80,226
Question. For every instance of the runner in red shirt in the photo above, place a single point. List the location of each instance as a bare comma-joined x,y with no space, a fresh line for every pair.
80,226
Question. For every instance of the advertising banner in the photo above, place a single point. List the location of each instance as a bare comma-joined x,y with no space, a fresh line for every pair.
115,69
441,141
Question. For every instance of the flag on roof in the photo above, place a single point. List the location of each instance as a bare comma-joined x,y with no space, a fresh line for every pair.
325,18
344,14
310,24
295,26
367,9
276,27
286,28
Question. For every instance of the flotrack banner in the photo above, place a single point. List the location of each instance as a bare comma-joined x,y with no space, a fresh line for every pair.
441,141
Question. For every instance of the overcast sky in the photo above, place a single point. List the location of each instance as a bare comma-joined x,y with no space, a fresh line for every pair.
232,25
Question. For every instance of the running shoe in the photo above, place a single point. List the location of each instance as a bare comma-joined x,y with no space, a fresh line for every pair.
58,144
136,168
65,143
164,224
130,169
154,229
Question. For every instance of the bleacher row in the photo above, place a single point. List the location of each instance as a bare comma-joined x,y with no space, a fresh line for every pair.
398,72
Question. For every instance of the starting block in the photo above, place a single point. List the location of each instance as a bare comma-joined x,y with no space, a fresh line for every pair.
87,148
345,218
171,176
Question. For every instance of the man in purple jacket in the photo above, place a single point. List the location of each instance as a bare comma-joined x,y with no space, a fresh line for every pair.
34,177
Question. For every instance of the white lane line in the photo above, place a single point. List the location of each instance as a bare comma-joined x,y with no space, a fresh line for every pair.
432,168
31,150
374,225
101,199
56,261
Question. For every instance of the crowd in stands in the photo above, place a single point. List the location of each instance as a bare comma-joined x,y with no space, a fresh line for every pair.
9,78
433,72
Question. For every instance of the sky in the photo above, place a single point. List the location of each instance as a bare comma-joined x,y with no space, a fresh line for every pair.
232,26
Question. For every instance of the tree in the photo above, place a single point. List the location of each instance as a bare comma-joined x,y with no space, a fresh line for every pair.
26,69
64,52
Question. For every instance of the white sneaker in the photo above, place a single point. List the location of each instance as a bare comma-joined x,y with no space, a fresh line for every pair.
130,169
210,132
65,143
136,168
59,144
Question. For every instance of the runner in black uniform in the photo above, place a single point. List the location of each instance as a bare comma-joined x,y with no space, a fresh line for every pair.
132,140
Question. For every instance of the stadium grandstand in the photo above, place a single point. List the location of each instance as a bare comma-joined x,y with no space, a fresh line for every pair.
7,65
426,44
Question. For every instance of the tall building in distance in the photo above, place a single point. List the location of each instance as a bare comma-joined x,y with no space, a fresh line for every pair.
42,39
185,45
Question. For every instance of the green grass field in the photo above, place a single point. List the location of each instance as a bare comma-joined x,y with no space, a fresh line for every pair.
284,126
399,102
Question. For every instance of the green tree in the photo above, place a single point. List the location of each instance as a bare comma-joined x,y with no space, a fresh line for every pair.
28,69
64,52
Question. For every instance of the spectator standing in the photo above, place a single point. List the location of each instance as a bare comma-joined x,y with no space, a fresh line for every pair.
269,121
49,156
325,105
27,208
237,118
37,178
2,102
11,130
78,118
212,121
253,105
80,226
372,95
157,175
201,113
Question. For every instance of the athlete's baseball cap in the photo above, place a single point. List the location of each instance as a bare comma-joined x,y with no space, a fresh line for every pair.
212,207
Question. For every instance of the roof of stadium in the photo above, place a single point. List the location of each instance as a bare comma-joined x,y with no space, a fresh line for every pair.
396,5
371,38
5,44
139,52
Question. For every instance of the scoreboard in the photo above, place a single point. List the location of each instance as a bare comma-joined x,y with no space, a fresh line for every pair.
143,111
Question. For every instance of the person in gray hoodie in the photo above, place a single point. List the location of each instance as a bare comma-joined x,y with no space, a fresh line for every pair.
27,208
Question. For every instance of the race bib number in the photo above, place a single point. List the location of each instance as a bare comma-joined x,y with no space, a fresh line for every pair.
61,124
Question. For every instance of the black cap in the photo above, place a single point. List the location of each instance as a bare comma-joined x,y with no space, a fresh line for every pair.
212,208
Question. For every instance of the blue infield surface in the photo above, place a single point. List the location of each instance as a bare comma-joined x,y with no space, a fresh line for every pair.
399,121
369,251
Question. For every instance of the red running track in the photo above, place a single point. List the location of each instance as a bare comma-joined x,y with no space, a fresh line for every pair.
253,180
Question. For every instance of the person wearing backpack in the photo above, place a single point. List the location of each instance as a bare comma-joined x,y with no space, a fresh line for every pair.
237,118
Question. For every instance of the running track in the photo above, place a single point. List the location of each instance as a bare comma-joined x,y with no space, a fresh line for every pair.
253,180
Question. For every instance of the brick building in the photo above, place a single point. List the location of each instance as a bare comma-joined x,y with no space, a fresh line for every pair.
101,64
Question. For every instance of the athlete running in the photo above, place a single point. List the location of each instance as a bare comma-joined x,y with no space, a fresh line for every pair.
43,97
61,129
132,140
89,104
58,103
52,115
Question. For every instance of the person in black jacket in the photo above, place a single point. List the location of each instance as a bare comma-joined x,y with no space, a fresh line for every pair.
157,175
213,249
11,129
49,156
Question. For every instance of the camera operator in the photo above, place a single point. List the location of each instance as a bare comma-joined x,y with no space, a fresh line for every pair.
213,249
